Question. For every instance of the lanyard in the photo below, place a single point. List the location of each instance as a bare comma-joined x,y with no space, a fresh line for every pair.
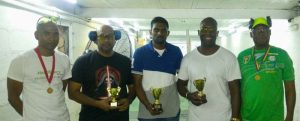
43,65
257,64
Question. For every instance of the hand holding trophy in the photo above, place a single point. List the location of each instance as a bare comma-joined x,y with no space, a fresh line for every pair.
157,106
199,84
113,93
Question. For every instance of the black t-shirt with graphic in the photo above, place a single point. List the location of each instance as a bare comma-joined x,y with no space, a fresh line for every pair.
96,73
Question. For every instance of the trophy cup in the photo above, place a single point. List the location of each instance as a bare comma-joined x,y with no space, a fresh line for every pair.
113,93
199,84
156,92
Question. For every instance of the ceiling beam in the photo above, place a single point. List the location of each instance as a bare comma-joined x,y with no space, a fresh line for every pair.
185,13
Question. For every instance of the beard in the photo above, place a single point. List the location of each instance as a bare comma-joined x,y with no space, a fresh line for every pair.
160,41
261,40
208,43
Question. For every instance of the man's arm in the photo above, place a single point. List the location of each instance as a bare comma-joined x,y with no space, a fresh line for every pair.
290,95
140,93
182,88
14,89
131,93
65,83
193,97
76,95
124,103
234,88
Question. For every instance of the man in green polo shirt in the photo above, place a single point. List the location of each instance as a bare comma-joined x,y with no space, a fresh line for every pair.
267,72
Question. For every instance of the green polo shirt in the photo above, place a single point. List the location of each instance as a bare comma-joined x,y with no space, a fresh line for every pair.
262,90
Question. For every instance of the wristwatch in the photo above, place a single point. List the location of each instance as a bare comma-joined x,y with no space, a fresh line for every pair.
235,119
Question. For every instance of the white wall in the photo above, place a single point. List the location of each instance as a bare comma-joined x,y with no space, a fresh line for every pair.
292,45
17,36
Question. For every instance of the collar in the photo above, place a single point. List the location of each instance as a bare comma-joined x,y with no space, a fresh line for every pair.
151,47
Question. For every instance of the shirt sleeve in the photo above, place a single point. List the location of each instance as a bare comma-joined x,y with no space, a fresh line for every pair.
16,68
183,72
129,75
137,62
288,69
180,56
68,73
233,69
78,70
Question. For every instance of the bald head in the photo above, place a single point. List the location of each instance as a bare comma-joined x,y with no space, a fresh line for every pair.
41,26
105,30
106,39
209,21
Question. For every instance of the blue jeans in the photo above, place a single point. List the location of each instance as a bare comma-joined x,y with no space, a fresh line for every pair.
176,118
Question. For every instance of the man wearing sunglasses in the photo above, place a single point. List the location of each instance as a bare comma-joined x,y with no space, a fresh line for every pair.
100,80
40,75
267,73
214,70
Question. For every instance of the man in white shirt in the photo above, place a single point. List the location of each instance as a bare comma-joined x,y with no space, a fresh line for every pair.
219,70
40,75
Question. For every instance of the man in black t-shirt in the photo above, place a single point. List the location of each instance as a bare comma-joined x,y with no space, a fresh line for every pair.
97,73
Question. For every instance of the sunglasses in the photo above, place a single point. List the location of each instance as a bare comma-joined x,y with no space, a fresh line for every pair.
47,19
103,37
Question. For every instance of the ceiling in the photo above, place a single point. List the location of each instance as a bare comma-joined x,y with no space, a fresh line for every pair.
182,15
186,14
189,4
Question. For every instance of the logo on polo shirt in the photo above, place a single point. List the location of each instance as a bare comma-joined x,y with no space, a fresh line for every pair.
246,59
272,58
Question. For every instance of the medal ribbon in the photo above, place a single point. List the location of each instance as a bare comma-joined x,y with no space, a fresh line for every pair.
108,77
44,67
257,65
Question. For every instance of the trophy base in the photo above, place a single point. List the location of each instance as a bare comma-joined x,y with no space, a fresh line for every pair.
113,104
157,107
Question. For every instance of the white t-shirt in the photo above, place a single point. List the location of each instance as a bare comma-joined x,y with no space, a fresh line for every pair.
38,105
218,69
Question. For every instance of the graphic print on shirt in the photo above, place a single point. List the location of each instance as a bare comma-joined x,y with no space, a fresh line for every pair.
106,77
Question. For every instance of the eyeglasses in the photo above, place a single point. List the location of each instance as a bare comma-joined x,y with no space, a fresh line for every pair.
46,19
207,30
103,37
260,30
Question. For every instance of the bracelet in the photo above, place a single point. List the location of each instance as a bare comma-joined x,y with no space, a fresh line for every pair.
234,119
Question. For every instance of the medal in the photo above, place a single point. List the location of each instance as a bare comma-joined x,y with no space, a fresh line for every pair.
49,90
257,77
257,64
49,78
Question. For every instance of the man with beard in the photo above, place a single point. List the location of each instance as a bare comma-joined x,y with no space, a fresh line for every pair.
97,76
216,68
155,66
265,69
40,75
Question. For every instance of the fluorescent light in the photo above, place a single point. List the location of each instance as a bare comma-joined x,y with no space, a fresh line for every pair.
72,1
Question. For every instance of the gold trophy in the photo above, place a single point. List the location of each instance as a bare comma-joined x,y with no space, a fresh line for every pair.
113,93
156,92
199,84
